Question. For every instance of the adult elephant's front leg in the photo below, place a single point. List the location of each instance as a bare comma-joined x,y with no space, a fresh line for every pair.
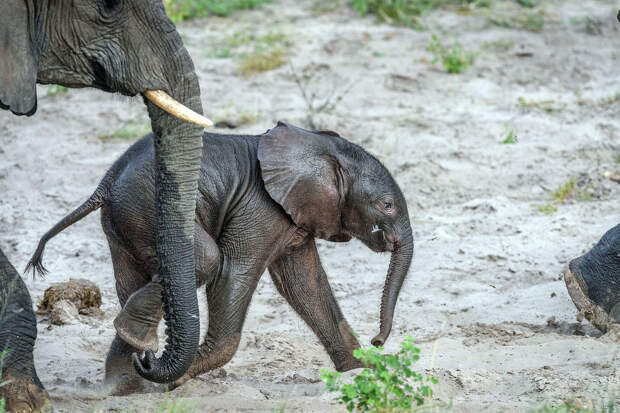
228,299
19,383
300,278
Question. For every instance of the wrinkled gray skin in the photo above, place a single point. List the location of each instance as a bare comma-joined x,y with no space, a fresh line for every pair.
18,331
128,47
262,201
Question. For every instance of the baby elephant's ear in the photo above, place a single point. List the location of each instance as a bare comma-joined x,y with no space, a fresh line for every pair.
18,65
303,175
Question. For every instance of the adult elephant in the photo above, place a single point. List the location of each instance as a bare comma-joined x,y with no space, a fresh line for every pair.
129,47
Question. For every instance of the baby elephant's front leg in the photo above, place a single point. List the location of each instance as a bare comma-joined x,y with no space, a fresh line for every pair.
228,299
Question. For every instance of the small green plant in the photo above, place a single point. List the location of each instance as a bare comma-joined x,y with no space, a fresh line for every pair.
547,209
564,191
618,159
453,58
221,53
591,25
129,130
387,382
532,22
53,90
180,10
561,194
511,138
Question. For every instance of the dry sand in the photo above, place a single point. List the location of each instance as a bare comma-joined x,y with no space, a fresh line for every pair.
485,288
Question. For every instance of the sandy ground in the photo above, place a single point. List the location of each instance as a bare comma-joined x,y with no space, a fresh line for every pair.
485,289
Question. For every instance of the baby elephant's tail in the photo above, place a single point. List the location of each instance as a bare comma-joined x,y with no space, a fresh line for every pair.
93,203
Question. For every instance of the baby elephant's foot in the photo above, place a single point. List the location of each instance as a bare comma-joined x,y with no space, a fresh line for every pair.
137,322
24,395
347,362
593,282
121,377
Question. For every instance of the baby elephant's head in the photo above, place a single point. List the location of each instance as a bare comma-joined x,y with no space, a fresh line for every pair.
336,190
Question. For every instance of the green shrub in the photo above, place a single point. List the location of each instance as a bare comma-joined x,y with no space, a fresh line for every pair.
387,382
180,10
453,58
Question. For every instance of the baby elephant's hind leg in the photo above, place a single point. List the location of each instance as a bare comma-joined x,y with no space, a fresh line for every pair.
137,322
120,375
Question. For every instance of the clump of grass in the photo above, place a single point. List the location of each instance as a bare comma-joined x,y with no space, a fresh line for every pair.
577,405
130,130
243,41
453,58
53,90
259,62
221,53
591,25
618,159
547,209
386,384
407,12
533,22
180,10
548,105
178,405
560,195
528,3
511,138
564,191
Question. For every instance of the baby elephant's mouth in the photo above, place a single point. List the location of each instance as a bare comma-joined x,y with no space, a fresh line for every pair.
389,241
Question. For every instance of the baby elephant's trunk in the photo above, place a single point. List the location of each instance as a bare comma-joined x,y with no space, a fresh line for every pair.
399,266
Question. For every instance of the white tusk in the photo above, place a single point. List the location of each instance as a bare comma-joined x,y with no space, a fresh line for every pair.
176,109
376,229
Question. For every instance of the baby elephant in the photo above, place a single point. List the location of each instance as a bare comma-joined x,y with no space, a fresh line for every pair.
261,202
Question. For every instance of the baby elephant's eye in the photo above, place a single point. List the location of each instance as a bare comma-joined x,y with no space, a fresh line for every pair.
387,205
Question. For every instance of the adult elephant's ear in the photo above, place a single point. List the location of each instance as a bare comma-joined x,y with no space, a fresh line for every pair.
302,173
18,63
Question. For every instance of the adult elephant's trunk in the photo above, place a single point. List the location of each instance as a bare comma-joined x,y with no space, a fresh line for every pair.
399,266
178,148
